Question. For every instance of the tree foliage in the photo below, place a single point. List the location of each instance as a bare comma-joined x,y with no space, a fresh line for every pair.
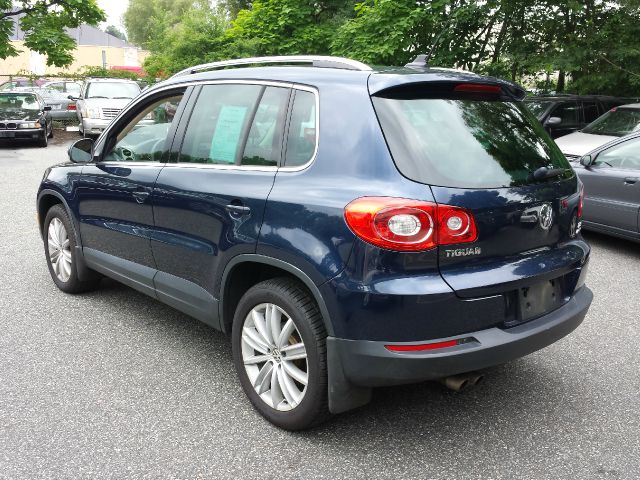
116,32
43,23
587,46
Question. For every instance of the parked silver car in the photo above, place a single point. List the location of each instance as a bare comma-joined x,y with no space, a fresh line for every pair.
617,122
611,178
100,101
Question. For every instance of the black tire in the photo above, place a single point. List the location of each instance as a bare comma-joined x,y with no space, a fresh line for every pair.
73,284
51,130
302,309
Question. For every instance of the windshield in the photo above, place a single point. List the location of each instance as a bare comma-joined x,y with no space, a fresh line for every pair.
538,107
466,143
19,101
616,122
112,90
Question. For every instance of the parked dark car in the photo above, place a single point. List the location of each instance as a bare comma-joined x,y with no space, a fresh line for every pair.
348,227
611,175
25,116
564,114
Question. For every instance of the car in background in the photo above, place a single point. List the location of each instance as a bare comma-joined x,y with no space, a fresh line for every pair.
564,114
68,87
617,122
611,178
24,115
62,107
20,82
100,101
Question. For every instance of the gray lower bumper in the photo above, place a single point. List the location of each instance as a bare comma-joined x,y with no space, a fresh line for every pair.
356,365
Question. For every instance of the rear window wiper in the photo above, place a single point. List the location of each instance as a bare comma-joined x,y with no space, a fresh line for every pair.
544,173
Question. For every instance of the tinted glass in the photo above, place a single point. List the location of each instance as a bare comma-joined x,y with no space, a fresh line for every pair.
218,124
625,155
144,138
301,141
112,90
264,142
616,122
567,112
466,143
590,111
537,107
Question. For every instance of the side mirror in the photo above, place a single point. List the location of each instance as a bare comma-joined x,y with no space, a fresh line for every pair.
81,151
586,161
553,121
47,108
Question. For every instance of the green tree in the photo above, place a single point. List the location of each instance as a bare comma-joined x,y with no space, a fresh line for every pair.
44,23
147,20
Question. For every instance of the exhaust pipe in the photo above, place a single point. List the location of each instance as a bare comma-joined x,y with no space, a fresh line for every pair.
460,383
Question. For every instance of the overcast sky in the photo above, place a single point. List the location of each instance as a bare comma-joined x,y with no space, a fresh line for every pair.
114,10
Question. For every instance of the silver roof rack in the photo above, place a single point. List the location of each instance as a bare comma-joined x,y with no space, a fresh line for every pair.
313,60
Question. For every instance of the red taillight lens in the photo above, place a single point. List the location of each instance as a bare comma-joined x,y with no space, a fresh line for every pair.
422,347
455,225
71,106
409,225
393,223
580,202
477,88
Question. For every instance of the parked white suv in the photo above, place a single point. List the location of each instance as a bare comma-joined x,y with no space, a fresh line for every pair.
100,101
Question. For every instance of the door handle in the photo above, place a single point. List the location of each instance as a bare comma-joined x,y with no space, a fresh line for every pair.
238,209
630,180
141,196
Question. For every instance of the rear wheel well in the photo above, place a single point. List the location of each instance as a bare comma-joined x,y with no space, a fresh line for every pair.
242,278
44,205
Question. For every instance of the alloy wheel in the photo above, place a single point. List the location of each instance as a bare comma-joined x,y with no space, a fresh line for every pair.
274,357
59,249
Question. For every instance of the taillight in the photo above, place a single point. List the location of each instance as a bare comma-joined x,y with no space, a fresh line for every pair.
477,88
409,225
71,106
580,202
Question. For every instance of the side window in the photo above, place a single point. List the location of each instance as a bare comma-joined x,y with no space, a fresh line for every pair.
625,155
590,110
301,139
264,143
218,124
568,113
143,139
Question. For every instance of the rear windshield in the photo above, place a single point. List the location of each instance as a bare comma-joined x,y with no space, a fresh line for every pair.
616,122
466,143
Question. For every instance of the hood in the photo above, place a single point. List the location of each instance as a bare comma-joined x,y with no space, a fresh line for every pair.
580,144
18,114
106,102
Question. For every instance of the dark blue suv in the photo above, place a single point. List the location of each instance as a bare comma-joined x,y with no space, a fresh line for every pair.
347,227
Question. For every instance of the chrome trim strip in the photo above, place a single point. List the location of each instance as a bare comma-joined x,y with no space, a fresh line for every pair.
318,61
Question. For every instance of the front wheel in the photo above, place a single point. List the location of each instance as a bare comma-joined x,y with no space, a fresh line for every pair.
279,351
44,140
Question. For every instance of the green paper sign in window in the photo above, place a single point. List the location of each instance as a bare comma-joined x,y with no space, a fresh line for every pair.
227,135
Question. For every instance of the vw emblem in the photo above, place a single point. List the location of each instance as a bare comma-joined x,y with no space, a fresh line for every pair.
546,216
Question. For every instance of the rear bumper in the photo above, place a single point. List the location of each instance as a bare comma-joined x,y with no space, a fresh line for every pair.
357,365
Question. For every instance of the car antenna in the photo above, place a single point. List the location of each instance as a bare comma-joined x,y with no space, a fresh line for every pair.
422,61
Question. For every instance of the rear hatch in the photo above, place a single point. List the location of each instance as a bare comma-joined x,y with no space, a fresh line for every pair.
476,146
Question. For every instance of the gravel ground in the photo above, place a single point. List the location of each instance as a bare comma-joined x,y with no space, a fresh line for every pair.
113,384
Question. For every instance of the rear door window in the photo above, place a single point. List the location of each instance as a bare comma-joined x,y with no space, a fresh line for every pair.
590,111
466,143
568,113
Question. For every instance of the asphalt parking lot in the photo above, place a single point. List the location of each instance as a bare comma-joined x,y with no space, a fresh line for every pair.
113,384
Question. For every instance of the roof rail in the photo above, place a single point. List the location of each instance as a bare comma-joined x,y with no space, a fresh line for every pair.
313,60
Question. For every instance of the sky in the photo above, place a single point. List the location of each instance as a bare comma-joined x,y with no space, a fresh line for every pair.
114,10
